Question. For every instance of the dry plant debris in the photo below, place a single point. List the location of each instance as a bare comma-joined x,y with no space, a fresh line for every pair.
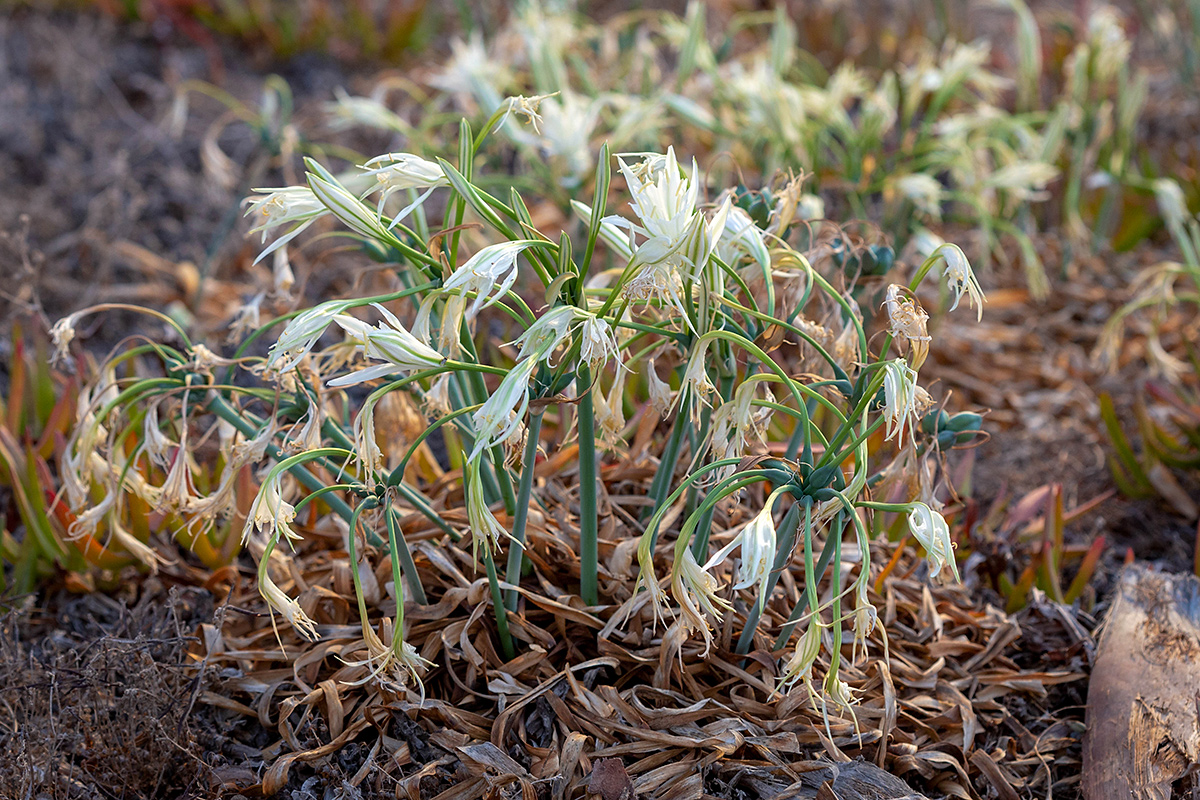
971,705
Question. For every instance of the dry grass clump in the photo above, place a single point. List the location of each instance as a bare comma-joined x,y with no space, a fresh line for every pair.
97,706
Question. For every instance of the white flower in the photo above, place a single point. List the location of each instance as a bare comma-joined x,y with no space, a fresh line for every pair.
389,342
347,111
961,278
1171,202
396,172
799,666
270,512
758,545
741,235
301,335
502,413
547,332
924,191
294,205
697,382
930,529
62,334
156,444
486,530
352,212
489,273
900,397
610,411
437,399
472,71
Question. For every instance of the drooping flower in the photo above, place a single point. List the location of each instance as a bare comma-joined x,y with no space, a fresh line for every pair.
486,530
286,606
758,545
931,530
695,591
661,397
900,397
961,278
366,446
504,411
269,512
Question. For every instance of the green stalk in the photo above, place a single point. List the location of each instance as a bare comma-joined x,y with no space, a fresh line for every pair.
666,466
516,551
403,557
588,489
498,607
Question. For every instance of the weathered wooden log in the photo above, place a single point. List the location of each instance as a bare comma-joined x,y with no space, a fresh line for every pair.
1143,709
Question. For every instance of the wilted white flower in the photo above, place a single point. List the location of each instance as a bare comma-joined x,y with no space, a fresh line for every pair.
661,396
389,342
906,320
610,411
294,205
930,529
695,591
62,334
697,382
799,666
758,545
900,397
270,512
437,399
366,446
286,606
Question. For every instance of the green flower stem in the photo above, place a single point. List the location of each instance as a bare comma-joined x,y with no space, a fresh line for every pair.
498,607
397,474
666,466
352,552
516,551
588,489
783,556
790,328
